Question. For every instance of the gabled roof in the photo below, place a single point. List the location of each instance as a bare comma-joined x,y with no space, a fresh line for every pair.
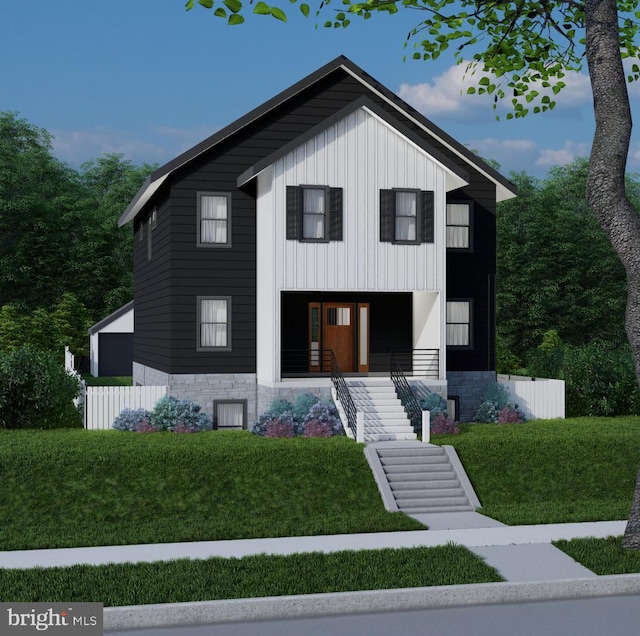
504,188
111,317
460,176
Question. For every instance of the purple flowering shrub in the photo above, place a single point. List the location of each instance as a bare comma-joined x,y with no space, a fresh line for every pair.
511,414
308,417
130,419
443,425
314,428
145,427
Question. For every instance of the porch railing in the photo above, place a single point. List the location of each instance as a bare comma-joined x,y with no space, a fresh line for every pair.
343,394
406,395
414,362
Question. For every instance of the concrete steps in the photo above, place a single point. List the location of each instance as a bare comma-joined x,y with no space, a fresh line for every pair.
422,479
384,416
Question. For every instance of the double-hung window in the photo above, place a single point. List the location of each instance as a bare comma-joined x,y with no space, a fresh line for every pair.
214,219
314,213
406,216
214,323
459,226
458,323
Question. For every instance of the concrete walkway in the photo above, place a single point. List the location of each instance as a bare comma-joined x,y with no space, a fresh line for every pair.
519,553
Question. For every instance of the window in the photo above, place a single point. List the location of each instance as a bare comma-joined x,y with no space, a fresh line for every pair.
214,219
153,221
230,414
314,213
406,216
314,206
459,226
214,323
458,323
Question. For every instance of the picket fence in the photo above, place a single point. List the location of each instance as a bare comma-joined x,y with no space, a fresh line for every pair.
102,404
539,398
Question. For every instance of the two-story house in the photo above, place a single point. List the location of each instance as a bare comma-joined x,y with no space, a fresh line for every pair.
333,218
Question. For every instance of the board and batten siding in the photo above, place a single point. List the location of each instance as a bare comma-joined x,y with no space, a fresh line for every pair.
362,155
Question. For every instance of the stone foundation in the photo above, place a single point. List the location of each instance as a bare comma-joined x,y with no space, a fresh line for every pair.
470,388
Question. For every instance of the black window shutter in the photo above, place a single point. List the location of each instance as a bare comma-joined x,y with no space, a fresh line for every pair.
387,216
427,212
335,207
294,211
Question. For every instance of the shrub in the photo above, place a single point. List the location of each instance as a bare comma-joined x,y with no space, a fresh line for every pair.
302,405
36,391
313,428
443,425
145,427
184,428
280,427
279,407
325,412
496,405
435,404
510,415
130,419
169,412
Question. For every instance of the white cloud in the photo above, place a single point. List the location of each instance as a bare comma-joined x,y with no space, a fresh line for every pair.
525,154
157,144
446,96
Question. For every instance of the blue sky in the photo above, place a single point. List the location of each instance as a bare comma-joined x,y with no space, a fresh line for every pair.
149,80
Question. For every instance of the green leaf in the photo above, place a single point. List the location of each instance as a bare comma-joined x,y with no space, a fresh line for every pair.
484,81
278,14
234,19
207,4
262,8
471,90
233,5
304,8
189,5
220,13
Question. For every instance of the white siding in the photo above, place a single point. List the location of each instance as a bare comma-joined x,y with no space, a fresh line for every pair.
361,154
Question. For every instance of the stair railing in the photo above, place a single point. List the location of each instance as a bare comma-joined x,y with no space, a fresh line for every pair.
406,395
343,394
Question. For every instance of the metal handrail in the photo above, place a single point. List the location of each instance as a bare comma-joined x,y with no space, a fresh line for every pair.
344,395
406,395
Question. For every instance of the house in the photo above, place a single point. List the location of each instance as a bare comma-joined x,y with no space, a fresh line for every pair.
334,217
111,343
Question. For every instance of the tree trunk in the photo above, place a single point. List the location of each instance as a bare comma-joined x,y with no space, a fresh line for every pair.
605,185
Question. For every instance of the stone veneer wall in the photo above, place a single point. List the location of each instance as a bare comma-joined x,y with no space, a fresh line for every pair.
203,388
470,387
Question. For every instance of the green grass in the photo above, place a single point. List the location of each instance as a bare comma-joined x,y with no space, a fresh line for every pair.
256,576
67,488
552,471
107,380
602,556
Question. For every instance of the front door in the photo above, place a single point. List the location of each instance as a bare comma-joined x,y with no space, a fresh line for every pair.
342,328
339,333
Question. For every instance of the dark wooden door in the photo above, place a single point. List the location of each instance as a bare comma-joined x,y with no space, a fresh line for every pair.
339,333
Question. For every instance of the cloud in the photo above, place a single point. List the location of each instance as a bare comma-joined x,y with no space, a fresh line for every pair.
154,145
526,155
446,96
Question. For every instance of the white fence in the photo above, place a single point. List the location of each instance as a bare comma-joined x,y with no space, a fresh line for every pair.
539,398
102,404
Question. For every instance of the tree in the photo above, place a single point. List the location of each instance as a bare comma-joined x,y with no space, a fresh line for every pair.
522,50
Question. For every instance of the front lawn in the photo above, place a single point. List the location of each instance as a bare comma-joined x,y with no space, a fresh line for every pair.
67,488
256,576
552,471
602,556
